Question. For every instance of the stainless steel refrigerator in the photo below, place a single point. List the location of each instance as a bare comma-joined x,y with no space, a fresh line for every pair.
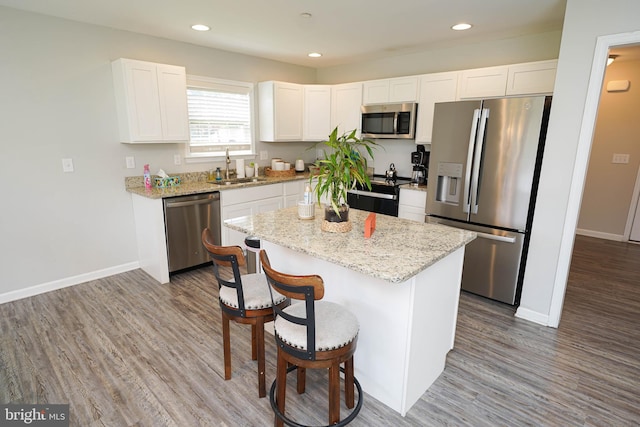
483,174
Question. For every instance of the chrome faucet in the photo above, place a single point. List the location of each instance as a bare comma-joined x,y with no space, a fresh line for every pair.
228,162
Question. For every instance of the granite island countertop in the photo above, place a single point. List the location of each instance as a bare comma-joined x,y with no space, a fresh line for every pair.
398,249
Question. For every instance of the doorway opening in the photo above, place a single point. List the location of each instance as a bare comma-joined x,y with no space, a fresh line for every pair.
609,208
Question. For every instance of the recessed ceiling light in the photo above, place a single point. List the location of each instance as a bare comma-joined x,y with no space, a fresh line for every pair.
315,55
306,15
200,27
461,27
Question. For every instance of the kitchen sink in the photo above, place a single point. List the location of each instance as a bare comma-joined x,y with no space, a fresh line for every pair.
238,181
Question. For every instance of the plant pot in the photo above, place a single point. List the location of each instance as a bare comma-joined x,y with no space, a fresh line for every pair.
331,215
336,222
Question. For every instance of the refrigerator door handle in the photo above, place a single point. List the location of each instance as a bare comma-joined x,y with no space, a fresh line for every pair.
467,175
475,175
505,239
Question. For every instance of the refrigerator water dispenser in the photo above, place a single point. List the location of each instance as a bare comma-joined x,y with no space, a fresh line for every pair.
449,183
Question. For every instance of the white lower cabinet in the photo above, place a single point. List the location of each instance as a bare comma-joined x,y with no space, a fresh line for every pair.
294,192
412,204
247,201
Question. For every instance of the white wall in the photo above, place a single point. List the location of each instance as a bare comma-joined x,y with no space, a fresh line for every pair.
555,220
56,101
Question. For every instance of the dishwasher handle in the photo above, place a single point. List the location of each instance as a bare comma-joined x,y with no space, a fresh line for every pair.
203,201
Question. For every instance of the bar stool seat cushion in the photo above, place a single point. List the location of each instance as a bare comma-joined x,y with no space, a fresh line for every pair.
255,291
335,326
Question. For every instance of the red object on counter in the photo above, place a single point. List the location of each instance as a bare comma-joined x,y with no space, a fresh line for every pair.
369,225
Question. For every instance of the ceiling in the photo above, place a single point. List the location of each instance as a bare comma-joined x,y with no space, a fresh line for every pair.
343,31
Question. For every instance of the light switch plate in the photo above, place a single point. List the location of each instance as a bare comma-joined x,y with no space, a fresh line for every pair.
131,162
264,155
67,165
177,160
620,158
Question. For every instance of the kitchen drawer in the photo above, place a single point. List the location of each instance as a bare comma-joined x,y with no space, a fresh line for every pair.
415,198
244,195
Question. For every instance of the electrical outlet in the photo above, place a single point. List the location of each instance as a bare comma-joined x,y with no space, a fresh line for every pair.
67,165
620,158
131,162
264,155
177,160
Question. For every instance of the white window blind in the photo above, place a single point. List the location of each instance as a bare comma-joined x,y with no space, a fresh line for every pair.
220,116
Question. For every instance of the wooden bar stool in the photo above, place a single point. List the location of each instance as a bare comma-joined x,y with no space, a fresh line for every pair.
245,299
312,334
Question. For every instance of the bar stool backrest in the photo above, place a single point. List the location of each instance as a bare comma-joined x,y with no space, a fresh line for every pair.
306,288
227,256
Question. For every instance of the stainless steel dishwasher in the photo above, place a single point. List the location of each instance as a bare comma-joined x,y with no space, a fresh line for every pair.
184,219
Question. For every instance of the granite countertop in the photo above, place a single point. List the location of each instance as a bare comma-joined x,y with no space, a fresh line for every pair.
398,249
422,187
196,182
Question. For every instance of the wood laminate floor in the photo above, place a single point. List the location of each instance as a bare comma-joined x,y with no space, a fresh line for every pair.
125,351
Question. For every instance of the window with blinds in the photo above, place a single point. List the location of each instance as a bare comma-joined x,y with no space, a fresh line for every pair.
220,116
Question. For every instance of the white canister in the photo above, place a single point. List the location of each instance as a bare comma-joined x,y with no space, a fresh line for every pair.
279,166
299,165
306,210
273,162
240,168
287,166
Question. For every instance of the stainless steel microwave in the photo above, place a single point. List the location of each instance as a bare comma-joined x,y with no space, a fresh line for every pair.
389,120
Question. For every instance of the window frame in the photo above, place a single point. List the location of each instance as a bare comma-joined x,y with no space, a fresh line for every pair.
204,82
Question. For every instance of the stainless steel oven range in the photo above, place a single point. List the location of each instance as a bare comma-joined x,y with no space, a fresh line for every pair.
383,197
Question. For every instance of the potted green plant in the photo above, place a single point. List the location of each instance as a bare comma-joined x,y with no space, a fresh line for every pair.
344,165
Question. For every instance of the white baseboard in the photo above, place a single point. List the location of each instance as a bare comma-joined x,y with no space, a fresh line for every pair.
66,282
532,316
600,235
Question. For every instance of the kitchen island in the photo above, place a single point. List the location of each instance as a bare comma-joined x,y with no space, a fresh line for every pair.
402,283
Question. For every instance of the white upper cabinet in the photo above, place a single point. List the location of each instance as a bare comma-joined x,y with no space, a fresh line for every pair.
400,89
519,79
316,113
375,91
403,89
439,87
280,111
482,82
151,100
346,100
532,78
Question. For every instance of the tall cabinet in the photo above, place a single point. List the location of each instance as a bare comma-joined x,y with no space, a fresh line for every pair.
346,100
151,101
280,111
316,112
439,87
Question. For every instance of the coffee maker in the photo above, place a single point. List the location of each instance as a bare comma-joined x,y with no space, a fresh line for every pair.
420,160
